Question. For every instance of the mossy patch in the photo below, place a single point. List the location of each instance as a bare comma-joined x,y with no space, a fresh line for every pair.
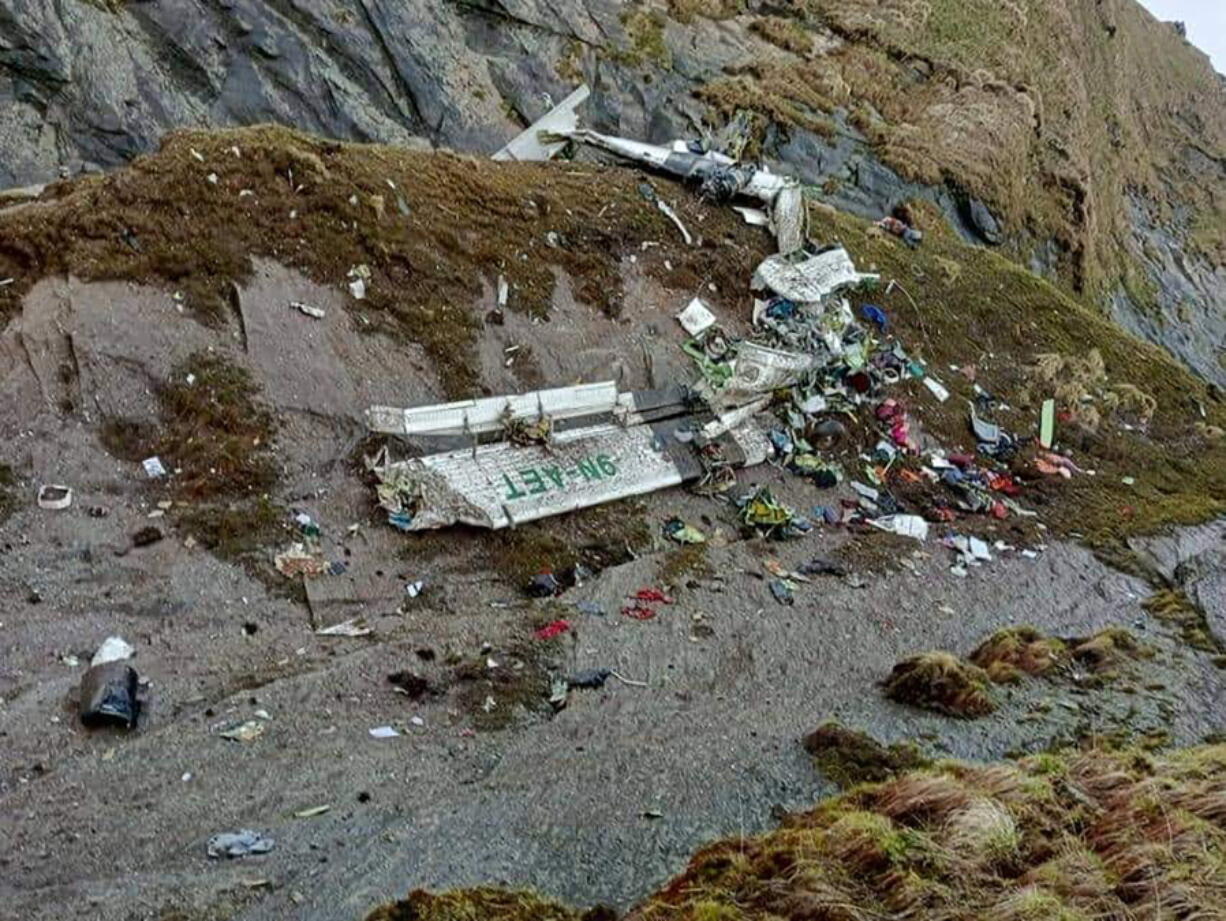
215,438
480,904
850,757
242,532
1012,652
8,492
435,231
686,11
514,689
215,434
874,551
677,567
943,683
1175,607
645,30
595,538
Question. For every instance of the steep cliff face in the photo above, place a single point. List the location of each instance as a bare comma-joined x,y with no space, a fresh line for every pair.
1086,138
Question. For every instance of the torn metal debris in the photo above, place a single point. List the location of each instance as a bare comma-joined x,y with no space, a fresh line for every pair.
109,695
721,177
560,120
781,391
502,484
242,843
483,416
806,279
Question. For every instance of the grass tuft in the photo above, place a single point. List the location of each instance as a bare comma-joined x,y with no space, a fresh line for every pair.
941,682
1010,653
849,757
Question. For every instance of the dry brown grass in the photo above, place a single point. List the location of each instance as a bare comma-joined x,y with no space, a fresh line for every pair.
1049,110
1107,650
942,682
483,904
849,757
1081,836
1008,654
784,33
435,229
1096,835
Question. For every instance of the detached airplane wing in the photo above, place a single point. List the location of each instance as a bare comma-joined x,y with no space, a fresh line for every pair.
560,120
503,484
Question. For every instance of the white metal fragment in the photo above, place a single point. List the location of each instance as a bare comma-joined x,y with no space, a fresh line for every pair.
902,525
490,414
866,491
696,318
502,484
808,279
113,649
755,217
790,218
759,370
353,627
383,732
54,498
560,120
936,388
310,311
153,467
669,213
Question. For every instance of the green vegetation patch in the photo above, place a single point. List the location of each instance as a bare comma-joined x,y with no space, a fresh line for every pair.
215,438
1067,836
1175,607
433,231
850,757
8,492
943,683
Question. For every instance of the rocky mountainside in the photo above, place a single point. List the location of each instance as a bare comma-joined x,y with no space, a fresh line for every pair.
1084,137
190,342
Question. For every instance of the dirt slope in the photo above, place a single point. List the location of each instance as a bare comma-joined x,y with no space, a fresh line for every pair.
95,358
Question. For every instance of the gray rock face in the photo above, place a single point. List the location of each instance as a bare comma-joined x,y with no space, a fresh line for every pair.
984,222
81,85
1204,580
1194,561
1188,317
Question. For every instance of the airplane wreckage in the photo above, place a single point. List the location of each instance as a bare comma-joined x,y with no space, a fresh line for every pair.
558,450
